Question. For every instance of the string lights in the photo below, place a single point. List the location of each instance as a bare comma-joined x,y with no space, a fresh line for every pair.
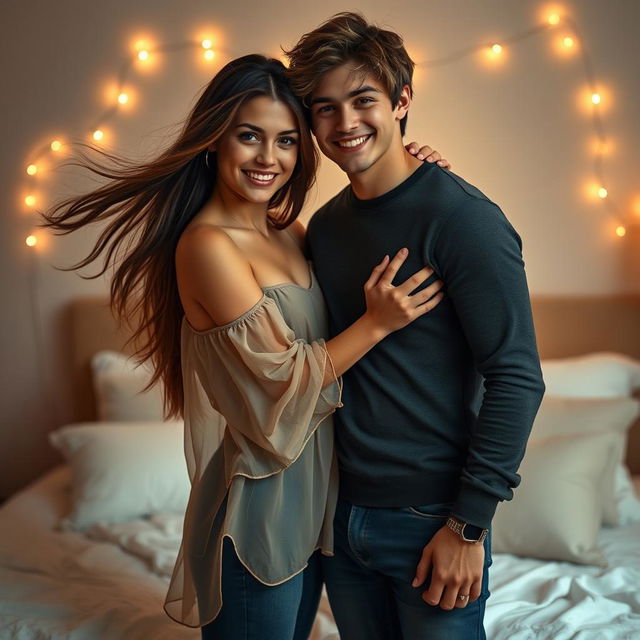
568,43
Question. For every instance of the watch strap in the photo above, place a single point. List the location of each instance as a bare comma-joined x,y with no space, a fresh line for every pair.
459,527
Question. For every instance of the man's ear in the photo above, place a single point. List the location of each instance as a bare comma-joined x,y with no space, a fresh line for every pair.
404,102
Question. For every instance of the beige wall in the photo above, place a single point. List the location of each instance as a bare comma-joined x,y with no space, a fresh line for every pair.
516,132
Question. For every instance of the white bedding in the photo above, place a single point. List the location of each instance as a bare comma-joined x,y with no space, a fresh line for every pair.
111,582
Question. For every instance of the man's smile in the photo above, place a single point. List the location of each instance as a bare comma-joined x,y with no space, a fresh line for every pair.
352,144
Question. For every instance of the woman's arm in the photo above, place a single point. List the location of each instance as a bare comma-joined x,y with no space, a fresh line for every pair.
213,271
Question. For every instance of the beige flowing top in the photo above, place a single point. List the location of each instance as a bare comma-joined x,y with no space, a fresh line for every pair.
259,447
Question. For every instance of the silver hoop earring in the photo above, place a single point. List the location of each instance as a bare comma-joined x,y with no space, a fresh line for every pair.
206,159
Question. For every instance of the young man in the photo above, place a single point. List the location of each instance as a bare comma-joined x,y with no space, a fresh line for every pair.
436,417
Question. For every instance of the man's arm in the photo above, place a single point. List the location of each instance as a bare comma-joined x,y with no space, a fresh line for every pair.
478,256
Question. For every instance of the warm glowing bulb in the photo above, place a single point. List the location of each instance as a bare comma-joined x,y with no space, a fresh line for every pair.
98,134
31,241
496,48
601,146
620,231
568,42
143,54
596,98
123,98
32,169
554,18
30,201
602,193
56,145
209,55
206,44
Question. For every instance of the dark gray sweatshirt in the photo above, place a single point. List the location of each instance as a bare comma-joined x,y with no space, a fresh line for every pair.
439,411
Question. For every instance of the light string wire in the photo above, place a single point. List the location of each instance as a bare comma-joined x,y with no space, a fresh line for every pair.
609,203
587,66
127,66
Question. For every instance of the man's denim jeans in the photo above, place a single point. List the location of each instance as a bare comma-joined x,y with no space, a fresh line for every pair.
369,579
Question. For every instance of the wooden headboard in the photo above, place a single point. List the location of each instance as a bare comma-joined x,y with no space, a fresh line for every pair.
565,326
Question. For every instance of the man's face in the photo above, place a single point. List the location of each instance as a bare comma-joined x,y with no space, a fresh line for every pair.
353,119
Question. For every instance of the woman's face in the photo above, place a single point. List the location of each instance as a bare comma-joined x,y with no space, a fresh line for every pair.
257,154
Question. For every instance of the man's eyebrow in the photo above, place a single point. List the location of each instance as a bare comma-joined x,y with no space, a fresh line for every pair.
259,130
351,94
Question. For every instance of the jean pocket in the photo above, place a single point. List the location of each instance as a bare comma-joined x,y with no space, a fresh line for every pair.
439,511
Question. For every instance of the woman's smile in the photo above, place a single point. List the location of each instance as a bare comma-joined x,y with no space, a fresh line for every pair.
260,178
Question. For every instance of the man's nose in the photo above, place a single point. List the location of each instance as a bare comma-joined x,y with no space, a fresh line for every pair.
347,120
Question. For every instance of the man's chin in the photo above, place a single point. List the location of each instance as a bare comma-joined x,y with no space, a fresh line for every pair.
352,166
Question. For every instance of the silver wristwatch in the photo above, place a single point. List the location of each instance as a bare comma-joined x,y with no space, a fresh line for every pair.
468,532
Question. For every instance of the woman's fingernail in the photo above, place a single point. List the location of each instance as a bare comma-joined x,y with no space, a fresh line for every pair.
415,582
420,156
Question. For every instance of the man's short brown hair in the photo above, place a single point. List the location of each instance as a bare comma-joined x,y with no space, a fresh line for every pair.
348,37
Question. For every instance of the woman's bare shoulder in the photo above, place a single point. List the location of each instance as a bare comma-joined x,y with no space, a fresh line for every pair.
213,271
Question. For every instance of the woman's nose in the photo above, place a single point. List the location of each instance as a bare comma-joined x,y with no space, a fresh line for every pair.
266,156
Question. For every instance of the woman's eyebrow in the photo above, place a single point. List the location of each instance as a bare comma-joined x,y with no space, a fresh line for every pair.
259,130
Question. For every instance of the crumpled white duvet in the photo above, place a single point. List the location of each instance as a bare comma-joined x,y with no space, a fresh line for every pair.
110,582
530,598
155,539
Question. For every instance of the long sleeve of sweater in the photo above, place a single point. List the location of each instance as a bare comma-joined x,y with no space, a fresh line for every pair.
479,258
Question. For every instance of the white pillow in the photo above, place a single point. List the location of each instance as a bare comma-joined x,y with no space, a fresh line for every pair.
122,471
599,375
118,385
556,511
561,416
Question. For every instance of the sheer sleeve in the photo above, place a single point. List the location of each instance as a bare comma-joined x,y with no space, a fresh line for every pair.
254,397
266,384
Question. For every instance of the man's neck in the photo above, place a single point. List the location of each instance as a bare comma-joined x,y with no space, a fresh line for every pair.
393,168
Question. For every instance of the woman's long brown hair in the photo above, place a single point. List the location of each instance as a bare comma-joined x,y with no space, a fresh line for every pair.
149,205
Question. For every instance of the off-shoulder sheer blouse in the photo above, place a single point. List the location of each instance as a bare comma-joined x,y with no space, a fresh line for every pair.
259,447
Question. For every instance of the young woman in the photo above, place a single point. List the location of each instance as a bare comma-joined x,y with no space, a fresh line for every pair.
212,277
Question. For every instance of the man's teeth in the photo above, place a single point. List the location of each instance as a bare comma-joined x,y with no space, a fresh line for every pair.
263,177
353,143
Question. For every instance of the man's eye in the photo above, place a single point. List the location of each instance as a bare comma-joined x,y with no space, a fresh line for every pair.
325,109
365,100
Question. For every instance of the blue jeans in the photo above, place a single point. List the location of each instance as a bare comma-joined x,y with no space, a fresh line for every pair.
254,611
369,579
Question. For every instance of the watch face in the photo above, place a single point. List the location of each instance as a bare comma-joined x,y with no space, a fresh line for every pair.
471,532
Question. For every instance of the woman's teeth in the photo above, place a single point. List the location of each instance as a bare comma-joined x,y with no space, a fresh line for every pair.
262,177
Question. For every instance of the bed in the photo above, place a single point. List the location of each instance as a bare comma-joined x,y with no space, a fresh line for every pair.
99,578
